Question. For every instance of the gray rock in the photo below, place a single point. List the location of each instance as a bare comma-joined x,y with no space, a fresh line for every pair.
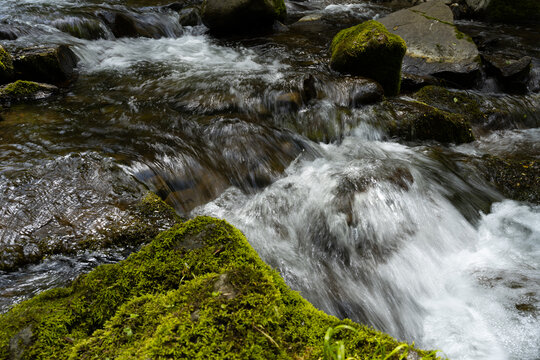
434,45
512,74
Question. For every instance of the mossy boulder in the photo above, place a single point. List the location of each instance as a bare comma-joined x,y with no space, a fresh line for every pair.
21,90
197,291
418,121
49,65
241,16
369,50
6,66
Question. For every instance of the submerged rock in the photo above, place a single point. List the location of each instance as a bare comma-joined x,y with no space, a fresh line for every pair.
6,66
190,17
241,16
435,47
88,29
369,50
366,92
49,65
21,90
418,121
196,291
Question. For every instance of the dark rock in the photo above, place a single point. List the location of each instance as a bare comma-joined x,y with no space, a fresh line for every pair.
289,102
20,91
20,342
417,121
366,92
6,66
81,28
412,83
369,50
309,90
122,25
49,65
179,5
190,17
241,16
512,74
7,34
434,45
513,11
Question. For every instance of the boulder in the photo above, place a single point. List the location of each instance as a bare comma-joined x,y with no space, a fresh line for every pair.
241,16
435,47
50,65
418,121
366,92
88,29
190,17
513,74
22,90
412,83
6,66
369,50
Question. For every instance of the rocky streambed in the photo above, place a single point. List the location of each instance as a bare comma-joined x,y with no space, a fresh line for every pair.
414,213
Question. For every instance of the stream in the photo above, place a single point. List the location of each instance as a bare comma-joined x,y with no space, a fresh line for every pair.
407,237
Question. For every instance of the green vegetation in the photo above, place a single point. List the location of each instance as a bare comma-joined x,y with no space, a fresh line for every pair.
20,89
6,66
197,291
370,50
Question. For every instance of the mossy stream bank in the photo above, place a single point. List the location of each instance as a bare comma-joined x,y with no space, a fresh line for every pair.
197,290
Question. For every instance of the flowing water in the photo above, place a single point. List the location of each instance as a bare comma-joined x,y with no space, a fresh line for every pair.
408,238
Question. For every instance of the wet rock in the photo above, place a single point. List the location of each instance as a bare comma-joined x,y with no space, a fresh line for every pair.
434,45
49,65
289,102
81,28
512,74
412,82
190,17
309,90
180,5
241,16
369,50
516,178
7,34
366,92
21,91
418,121
123,25
6,66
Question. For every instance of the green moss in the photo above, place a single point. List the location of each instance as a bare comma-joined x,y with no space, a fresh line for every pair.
452,101
370,50
424,122
281,9
513,11
6,66
20,88
198,291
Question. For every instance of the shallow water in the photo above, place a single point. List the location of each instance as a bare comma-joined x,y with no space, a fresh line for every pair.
409,238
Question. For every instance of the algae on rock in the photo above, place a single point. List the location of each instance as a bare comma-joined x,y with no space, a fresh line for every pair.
369,50
6,66
197,291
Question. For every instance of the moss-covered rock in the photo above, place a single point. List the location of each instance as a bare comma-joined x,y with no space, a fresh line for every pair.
6,66
369,50
22,90
246,16
49,65
419,121
198,291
